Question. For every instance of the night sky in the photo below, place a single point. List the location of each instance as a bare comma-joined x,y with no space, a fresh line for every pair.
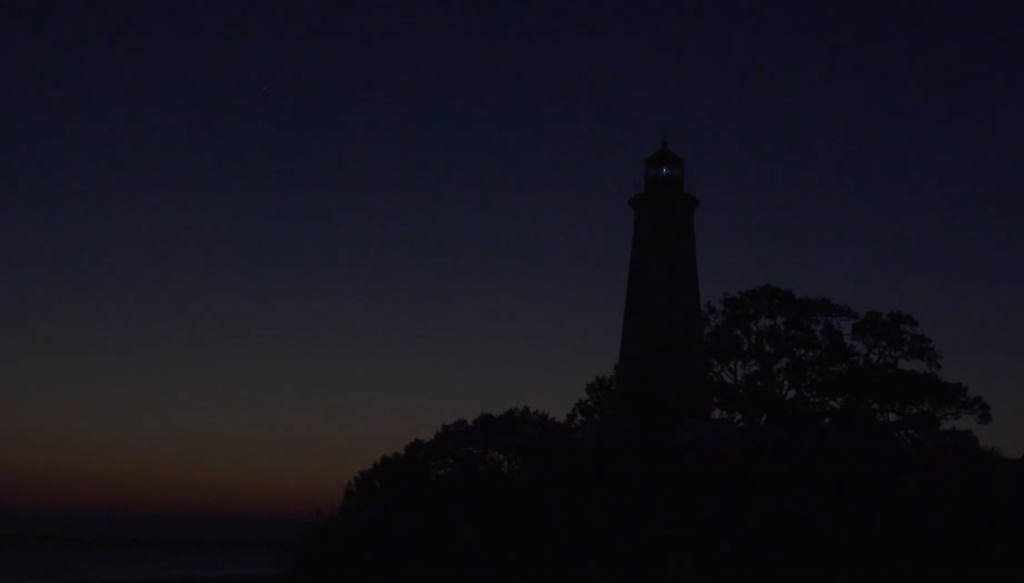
247,248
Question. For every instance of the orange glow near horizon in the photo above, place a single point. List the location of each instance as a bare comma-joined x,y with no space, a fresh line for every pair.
127,489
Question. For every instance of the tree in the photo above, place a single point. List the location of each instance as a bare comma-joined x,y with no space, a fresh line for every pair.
596,403
781,360
795,381
484,456
440,504
776,357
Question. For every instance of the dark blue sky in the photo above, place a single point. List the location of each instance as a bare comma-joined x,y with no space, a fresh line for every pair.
264,243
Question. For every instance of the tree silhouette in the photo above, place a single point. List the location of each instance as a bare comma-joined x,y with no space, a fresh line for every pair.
776,359
829,428
443,503
486,457
780,358
596,403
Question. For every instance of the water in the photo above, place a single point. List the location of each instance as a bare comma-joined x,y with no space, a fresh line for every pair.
34,561
73,548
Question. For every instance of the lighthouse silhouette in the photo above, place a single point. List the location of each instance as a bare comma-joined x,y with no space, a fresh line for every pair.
661,363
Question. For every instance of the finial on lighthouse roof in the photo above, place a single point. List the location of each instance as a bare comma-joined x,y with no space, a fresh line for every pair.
664,157
664,153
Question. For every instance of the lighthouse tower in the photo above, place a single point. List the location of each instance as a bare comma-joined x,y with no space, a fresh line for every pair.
660,369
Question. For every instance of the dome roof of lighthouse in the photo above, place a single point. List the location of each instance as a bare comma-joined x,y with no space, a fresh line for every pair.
664,157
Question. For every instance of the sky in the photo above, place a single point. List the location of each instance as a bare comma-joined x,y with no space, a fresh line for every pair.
247,248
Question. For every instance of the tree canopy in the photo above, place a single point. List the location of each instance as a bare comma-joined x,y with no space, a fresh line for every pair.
779,359
485,457
791,378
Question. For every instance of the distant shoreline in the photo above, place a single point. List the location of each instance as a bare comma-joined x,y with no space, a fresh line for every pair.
139,541
249,579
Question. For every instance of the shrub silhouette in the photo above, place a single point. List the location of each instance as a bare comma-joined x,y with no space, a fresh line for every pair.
832,445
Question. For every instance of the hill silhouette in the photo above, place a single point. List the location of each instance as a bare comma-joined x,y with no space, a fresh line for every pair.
833,449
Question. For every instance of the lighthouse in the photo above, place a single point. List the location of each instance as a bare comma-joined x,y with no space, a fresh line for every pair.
661,363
